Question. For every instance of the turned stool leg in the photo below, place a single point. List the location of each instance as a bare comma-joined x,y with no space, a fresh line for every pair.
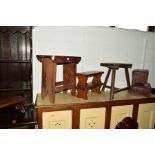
82,87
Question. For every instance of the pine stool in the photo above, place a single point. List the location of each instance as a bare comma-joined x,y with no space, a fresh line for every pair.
49,69
83,86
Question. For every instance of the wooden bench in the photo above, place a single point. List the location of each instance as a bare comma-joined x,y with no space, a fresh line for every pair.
83,86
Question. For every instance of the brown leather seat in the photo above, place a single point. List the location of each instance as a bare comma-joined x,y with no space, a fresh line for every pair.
127,123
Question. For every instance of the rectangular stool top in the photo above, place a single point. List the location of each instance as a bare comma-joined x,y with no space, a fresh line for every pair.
90,73
116,65
59,59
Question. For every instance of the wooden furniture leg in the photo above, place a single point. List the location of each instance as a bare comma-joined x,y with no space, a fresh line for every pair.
49,79
51,82
82,92
112,84
127,78
97,80
69,77
106,79
44,83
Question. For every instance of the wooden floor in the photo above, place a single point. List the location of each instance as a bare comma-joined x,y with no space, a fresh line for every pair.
92,97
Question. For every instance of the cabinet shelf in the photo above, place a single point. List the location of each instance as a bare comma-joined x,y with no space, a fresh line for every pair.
15,86
15,61
15,89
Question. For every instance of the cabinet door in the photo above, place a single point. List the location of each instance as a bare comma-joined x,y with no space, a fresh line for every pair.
93,118
146,116
118,113
57,120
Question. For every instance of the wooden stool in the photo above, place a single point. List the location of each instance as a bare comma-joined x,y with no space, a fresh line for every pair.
113,67
49,85
83,86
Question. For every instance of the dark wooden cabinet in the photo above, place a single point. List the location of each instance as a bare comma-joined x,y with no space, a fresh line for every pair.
16,76
16,62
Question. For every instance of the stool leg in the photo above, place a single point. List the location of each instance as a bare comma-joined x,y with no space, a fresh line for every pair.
82,87
73,79
48,80
44,78
112,84
51,81
106,80
97,81
69,77
127,78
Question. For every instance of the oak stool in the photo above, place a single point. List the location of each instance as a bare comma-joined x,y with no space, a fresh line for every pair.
112,67
49,85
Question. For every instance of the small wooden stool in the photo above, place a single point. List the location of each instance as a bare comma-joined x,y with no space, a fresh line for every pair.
83,86
113,67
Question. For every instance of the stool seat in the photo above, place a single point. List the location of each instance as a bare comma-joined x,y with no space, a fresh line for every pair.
83,86
116,65
90,73
112,67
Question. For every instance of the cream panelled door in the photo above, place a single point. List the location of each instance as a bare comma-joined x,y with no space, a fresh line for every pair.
118,113
93,118
57,120
146,116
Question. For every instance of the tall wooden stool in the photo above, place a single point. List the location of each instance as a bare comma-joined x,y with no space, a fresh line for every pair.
83,86
112,67
49,85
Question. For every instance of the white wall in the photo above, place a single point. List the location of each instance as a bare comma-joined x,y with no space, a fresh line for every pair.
94,45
